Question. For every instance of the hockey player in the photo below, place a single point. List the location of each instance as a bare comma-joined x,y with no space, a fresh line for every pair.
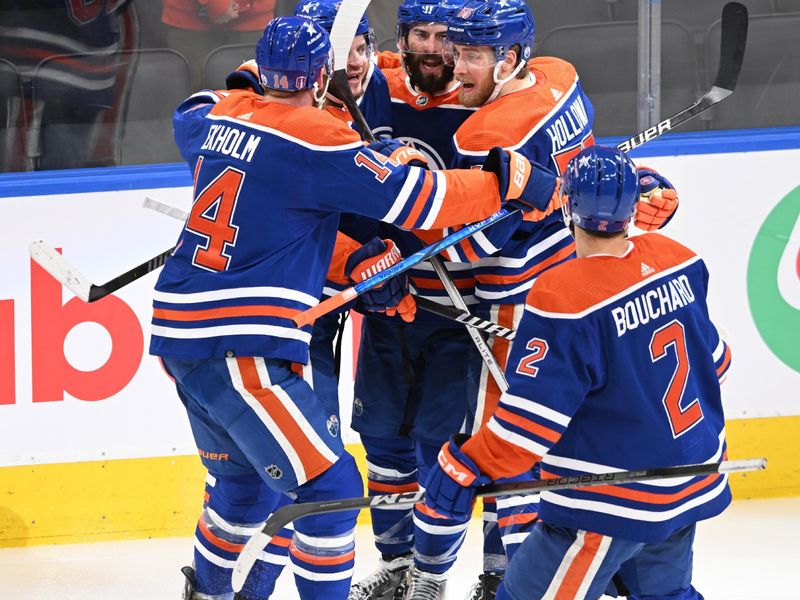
411,378
367,82
253,253
537,107
616,366
368,87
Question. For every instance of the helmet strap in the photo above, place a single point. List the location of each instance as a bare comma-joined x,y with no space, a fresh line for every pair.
499,83
321,93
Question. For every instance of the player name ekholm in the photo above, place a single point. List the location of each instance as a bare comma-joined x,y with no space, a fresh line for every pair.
229,140
652,304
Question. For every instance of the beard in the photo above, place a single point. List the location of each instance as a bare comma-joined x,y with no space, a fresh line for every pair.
477,95
427,83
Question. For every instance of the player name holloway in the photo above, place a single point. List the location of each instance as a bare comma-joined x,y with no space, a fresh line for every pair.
667,297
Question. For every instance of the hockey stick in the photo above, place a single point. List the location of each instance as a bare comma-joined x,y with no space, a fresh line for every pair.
343,31
734,37
330,304
476,336
465,317
291,512
448,312
60,268
732,45
346,22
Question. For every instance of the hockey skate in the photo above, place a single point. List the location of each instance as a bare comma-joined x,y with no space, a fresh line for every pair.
188,587
386,583
486,588
425,586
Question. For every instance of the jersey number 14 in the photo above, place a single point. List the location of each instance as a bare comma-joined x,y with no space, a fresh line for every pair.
211,218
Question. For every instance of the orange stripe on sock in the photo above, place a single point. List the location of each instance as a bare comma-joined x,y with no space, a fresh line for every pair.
321,560
389,488
280,541
216,541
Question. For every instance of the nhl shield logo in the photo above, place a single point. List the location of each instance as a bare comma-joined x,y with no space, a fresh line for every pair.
274,471
422,100
358,407
333,425
466,12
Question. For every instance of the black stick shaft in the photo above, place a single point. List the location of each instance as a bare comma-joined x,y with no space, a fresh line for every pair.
454,314
96,292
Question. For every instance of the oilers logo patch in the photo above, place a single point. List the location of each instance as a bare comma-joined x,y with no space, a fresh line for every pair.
358,407
333,425
466,12
274,471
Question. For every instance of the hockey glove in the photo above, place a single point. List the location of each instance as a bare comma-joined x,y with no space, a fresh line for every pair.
399,152
245,78
658,200
392,296
451,484
523,184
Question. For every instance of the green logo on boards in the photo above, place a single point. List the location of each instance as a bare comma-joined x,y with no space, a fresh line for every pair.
773,280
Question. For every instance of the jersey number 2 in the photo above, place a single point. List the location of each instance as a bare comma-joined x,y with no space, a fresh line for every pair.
211,217
539,350
681,419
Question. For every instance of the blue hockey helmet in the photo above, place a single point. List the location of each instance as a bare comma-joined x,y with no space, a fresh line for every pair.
496,23
324,13
602,189
292,52
424,11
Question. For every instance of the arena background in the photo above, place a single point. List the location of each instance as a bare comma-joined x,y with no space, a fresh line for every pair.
94,444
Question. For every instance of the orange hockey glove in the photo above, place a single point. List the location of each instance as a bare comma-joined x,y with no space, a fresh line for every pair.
658,200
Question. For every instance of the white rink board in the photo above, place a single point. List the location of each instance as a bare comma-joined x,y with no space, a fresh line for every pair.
725,199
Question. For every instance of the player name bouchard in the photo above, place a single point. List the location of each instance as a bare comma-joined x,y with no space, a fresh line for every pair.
231,142
652,304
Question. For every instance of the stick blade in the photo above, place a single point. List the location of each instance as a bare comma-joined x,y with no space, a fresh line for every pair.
60,269
344,30
732,45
